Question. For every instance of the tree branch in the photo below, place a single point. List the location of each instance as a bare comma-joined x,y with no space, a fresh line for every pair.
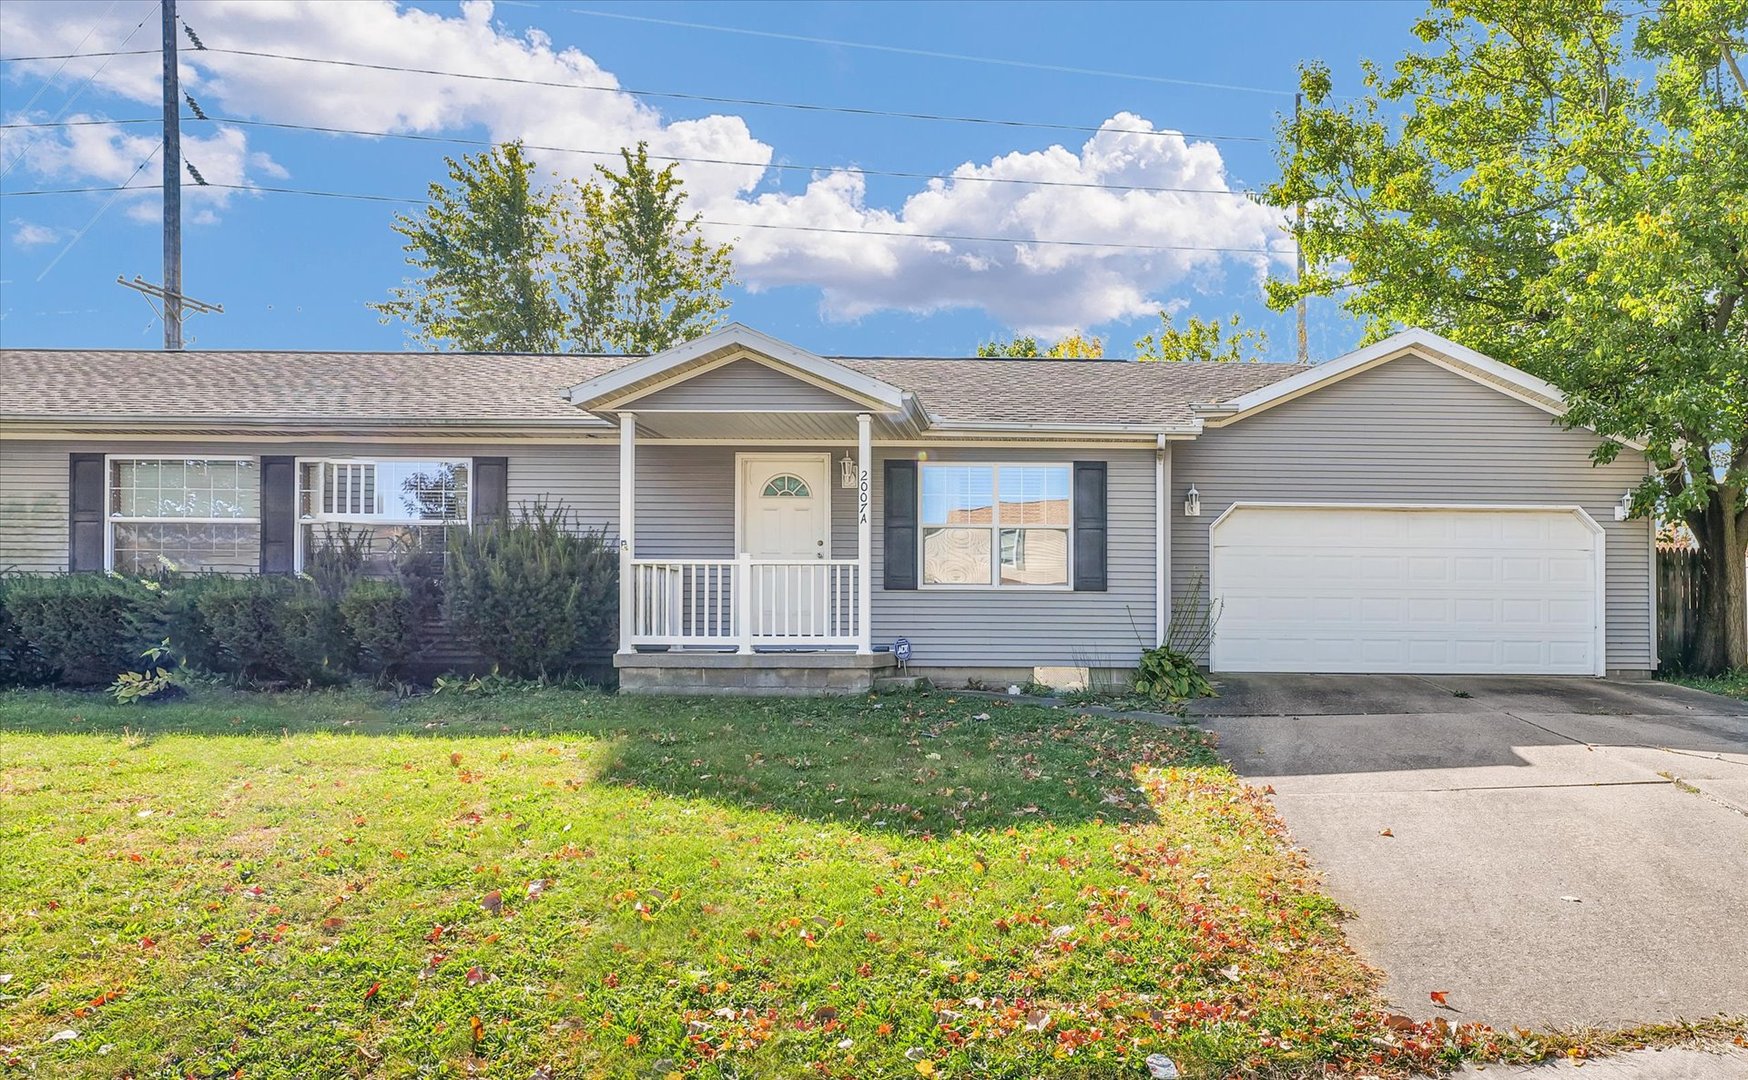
1730,59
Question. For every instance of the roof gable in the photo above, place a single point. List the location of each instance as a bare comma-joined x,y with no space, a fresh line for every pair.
734,345
1419,344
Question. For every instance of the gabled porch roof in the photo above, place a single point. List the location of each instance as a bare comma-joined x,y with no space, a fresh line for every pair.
739,383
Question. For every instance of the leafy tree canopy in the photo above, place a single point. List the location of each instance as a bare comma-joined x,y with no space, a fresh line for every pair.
1076,346
1562,184
611,265
1202,339
1209,340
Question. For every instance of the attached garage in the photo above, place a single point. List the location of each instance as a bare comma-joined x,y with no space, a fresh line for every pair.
1407,589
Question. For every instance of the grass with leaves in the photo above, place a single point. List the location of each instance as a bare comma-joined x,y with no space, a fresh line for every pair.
1729,684
553,883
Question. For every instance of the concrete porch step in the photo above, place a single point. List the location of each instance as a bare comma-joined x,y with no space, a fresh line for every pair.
769,674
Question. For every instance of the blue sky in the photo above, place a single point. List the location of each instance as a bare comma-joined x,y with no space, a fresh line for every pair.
295,271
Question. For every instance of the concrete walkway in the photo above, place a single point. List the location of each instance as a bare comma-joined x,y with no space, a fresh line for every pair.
1675,1063
1548,852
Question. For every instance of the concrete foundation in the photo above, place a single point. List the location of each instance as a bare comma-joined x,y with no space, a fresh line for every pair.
817,674
1000,678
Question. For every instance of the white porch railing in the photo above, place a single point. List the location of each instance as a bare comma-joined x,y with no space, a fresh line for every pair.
744,603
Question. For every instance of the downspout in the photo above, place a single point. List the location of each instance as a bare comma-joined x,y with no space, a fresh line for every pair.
1162,540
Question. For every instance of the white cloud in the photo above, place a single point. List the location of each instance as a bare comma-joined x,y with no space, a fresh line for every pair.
30,234
1037,287
1043,287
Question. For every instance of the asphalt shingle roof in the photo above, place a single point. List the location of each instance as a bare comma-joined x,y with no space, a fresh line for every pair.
295,386
1066,391
460,388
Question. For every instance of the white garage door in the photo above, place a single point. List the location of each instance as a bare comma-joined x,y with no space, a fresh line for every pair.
1434,591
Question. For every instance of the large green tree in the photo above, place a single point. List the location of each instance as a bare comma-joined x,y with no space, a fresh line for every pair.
486,244
1562,184
613,264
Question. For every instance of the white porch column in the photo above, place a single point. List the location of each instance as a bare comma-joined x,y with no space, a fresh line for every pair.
1162,541
864,534
627,527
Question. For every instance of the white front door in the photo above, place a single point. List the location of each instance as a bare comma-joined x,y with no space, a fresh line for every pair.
785,518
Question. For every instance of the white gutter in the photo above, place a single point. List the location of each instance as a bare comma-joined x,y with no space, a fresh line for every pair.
1191,428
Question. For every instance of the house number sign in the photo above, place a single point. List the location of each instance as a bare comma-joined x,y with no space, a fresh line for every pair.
862,498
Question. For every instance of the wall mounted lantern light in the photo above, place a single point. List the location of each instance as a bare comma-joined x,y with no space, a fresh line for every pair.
1192,502
1624,508
847,470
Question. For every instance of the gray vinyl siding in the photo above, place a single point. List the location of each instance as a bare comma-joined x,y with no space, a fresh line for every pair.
685,501
743,386
1412,432
997,627
583,478
685,510
33,506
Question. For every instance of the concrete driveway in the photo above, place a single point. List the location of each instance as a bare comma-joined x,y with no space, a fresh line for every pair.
1549,852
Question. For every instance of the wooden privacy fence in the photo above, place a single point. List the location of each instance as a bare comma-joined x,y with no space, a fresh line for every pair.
1677,606
1678,625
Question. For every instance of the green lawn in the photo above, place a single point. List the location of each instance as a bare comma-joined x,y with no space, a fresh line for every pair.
552,883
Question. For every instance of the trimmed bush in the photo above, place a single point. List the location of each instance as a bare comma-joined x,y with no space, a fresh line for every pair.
183,623
535,594
83,630
19,664
79,629
272,629
318,648
381,619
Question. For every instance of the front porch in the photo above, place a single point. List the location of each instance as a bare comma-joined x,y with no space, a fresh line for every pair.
780,585
745,520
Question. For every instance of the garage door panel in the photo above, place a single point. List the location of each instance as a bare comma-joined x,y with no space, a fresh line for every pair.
1570,613
1382,590
1471,569
1428,568
1571,570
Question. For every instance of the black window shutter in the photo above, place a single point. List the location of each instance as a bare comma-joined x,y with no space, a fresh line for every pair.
85,498
900,525
278,514
1090,531
491,489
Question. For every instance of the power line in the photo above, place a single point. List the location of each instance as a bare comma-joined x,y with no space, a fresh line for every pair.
78,123
74,96
929,53
80,56
710,99
104,209
894,233
713,99
65,60
780,166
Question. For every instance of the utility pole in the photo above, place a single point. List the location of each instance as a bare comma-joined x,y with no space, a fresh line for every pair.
1298,238
172,184
169,294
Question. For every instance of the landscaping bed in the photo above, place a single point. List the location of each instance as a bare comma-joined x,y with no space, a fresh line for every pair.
558,883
